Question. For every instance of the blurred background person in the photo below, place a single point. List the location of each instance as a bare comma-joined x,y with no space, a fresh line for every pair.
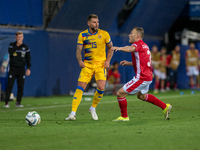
163,69
4,65
173,62
155,60
114,76
191,60
199,71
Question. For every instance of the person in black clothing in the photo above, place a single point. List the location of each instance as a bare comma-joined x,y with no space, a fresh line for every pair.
19,57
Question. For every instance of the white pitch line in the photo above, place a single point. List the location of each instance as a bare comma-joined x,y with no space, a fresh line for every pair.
162,97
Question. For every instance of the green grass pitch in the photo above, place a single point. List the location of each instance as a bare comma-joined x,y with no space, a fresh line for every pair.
146,130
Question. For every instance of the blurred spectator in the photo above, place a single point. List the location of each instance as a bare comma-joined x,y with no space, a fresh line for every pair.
5,63
173,61
199,72
113,74
4,70
155,60
162,67
191,60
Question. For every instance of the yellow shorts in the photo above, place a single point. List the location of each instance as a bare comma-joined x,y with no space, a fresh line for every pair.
96,68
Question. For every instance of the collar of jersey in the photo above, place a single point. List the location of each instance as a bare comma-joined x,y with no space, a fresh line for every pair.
94,33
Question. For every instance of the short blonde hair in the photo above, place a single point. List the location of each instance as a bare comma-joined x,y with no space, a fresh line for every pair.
140,31
18,33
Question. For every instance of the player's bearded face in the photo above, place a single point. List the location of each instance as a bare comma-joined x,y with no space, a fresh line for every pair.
94,24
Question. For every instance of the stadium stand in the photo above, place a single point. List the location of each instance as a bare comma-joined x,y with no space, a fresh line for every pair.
54,66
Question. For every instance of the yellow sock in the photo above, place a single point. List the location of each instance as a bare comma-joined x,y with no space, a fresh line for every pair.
97,97
77,98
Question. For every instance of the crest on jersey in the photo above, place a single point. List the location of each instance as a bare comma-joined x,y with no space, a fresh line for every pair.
99,36
23,48
14,54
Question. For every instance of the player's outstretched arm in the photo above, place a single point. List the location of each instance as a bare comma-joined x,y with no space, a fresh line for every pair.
79,55
126,63
109,55
124,49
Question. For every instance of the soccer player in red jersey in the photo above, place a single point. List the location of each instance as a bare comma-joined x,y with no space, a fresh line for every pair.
141,62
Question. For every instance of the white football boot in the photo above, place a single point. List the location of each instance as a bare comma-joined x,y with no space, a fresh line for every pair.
71,117
94,114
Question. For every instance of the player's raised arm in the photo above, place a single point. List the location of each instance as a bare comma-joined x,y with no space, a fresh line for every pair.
79,55
124,49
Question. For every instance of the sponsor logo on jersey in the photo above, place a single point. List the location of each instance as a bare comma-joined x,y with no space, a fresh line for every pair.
14,54
129,83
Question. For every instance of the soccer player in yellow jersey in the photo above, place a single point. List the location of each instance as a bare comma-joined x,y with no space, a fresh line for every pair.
94,42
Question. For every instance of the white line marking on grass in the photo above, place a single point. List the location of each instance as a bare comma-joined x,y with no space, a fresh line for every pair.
103,102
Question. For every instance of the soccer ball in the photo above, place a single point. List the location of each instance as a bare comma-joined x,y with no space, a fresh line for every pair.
33,118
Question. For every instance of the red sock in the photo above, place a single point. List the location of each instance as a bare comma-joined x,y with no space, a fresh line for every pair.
175,85
152,99
156,85
168,84
123,106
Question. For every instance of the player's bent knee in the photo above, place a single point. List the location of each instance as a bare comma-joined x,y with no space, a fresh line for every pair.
141,96
101,88
121,93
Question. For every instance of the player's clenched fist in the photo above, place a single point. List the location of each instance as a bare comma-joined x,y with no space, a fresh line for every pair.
106,64
81,64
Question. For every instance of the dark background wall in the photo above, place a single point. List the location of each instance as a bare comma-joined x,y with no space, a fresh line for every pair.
54,66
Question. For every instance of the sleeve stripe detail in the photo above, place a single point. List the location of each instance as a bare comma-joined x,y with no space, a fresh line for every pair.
109,42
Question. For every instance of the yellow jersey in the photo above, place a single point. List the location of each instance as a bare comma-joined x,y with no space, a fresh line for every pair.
94,45
155,59
192,57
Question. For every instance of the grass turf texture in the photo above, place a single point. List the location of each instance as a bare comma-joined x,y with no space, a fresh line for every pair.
146,129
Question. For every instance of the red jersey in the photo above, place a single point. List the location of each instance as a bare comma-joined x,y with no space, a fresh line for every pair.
141,59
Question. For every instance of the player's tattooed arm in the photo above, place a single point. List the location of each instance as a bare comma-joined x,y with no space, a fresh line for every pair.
79,55
109,55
